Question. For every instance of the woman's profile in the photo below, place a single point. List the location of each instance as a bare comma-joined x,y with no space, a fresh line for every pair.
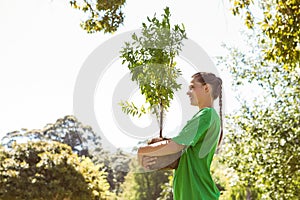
197,141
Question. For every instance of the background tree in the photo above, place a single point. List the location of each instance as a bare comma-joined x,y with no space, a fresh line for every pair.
42,170
167,189
262,144
150,59
102,15
278,20
144,186
116,165
83,141
67,130
263,139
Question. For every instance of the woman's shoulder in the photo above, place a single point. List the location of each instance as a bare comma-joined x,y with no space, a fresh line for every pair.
207,112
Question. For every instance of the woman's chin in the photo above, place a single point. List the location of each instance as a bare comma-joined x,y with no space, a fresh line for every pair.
193,103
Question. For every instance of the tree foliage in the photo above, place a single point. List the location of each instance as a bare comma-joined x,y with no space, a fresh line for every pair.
67,130
150,59
83,141
263,145
102,15
280,22
263,140
43,170
144,186
116,165
167,189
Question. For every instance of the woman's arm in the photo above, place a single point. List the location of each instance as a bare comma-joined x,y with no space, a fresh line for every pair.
156,150
149,157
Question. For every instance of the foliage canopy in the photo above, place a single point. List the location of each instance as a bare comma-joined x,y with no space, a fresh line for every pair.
150,59
68,130
263,136
43,170
83,141
279,21
103,15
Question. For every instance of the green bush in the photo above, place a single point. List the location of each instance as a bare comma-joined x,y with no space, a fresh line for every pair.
43,170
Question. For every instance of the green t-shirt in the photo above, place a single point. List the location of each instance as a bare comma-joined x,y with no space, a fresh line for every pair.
192,179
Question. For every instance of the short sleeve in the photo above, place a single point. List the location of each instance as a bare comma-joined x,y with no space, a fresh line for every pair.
195,128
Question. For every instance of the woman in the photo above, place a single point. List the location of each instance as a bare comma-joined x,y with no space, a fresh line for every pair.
198,141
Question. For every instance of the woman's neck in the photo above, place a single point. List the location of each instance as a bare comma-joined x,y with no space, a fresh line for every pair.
205,104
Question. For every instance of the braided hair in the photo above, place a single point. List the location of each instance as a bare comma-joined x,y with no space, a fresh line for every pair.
216,84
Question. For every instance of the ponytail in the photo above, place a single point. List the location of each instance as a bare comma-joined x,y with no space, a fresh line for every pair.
221,115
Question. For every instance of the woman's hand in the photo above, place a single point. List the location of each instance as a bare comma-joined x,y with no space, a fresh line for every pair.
148,161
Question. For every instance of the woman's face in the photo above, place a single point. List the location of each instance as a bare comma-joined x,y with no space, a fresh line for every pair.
196,92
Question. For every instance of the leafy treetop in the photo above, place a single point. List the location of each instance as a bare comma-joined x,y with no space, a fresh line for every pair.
104,15
150,59
279,25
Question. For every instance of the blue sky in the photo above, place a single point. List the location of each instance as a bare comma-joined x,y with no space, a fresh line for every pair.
43,48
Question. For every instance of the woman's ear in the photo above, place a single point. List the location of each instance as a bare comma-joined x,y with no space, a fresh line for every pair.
207,88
